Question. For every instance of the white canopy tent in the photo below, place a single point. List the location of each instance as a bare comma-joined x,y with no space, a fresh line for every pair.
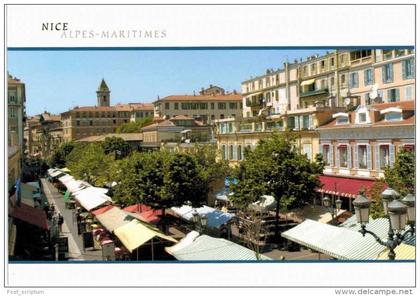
215,217
92,197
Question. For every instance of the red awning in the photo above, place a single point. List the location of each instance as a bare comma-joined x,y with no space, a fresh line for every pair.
145,212
347,187
30,215
102,210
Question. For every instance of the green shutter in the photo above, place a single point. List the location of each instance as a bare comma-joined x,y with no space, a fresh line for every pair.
404,69
378,163
369,157
391,155
356,156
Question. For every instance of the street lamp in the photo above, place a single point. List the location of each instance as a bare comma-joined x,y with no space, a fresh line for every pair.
200,221
326,201
399,212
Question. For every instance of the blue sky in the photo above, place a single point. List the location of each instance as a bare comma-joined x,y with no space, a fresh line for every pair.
58,80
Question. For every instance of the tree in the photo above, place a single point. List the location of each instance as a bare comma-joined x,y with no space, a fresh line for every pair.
376,209
401,177
58,158
134,126
89,162
183,182
277,168
210,168
117,146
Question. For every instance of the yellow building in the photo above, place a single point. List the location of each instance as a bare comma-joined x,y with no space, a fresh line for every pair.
81,122
16,99
206,107
305,94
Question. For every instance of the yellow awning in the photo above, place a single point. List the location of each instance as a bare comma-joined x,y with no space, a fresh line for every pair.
136,233
307,82
402,252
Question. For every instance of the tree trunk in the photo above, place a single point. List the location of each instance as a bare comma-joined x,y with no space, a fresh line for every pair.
276,232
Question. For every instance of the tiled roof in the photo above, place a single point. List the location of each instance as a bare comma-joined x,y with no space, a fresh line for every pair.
192,98
124,136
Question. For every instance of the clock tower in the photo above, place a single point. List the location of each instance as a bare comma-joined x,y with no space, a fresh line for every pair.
103,94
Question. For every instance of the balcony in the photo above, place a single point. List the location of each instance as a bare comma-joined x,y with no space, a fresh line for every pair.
317,92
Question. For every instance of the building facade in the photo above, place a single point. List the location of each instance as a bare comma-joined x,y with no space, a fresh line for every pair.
81,122
16,116
176,130
205,107
305,95
43,134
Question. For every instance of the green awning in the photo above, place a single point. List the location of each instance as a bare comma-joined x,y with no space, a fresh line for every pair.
67,196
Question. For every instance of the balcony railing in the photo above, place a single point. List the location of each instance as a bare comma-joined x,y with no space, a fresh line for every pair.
314,92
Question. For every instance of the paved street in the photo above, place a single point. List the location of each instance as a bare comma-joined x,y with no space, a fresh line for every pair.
69,229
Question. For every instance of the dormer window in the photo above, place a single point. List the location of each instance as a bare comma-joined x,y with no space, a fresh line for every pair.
392,114
341,118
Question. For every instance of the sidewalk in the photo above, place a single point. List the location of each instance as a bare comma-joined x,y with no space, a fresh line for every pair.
69,228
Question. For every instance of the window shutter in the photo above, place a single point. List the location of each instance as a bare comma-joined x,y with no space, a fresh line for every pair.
296,122
349,150
356,156
412,71
356,77
383,74
378,163
366,77
330,156
243,153
391,72
311,122
389,95
300,122
397,95
337,157
369,157
404,69
235,152
391,155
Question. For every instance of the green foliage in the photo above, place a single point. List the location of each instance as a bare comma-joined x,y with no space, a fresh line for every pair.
89,162
277,168
401,177
159,179
376,208
135,126
116,146
210,166
58,158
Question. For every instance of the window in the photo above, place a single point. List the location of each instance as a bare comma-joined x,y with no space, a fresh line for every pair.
167,106
342,120
399,52
409,93
212,106
393,95
393,116
212,117
224,152
387,73
307,150
291,122
332,61
326,154
222,116
233,105
114,121
176,106
408,69
78,122
332,82
342,151
354,80
305,122
368,77
239,152
384,159
221,106
387,54
90,122
362,117
343,79
363,156
231,152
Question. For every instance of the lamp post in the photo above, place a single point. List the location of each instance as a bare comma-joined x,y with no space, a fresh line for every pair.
399,213
326,201
200,221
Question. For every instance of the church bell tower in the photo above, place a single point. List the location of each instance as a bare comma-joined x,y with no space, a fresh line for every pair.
103,94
